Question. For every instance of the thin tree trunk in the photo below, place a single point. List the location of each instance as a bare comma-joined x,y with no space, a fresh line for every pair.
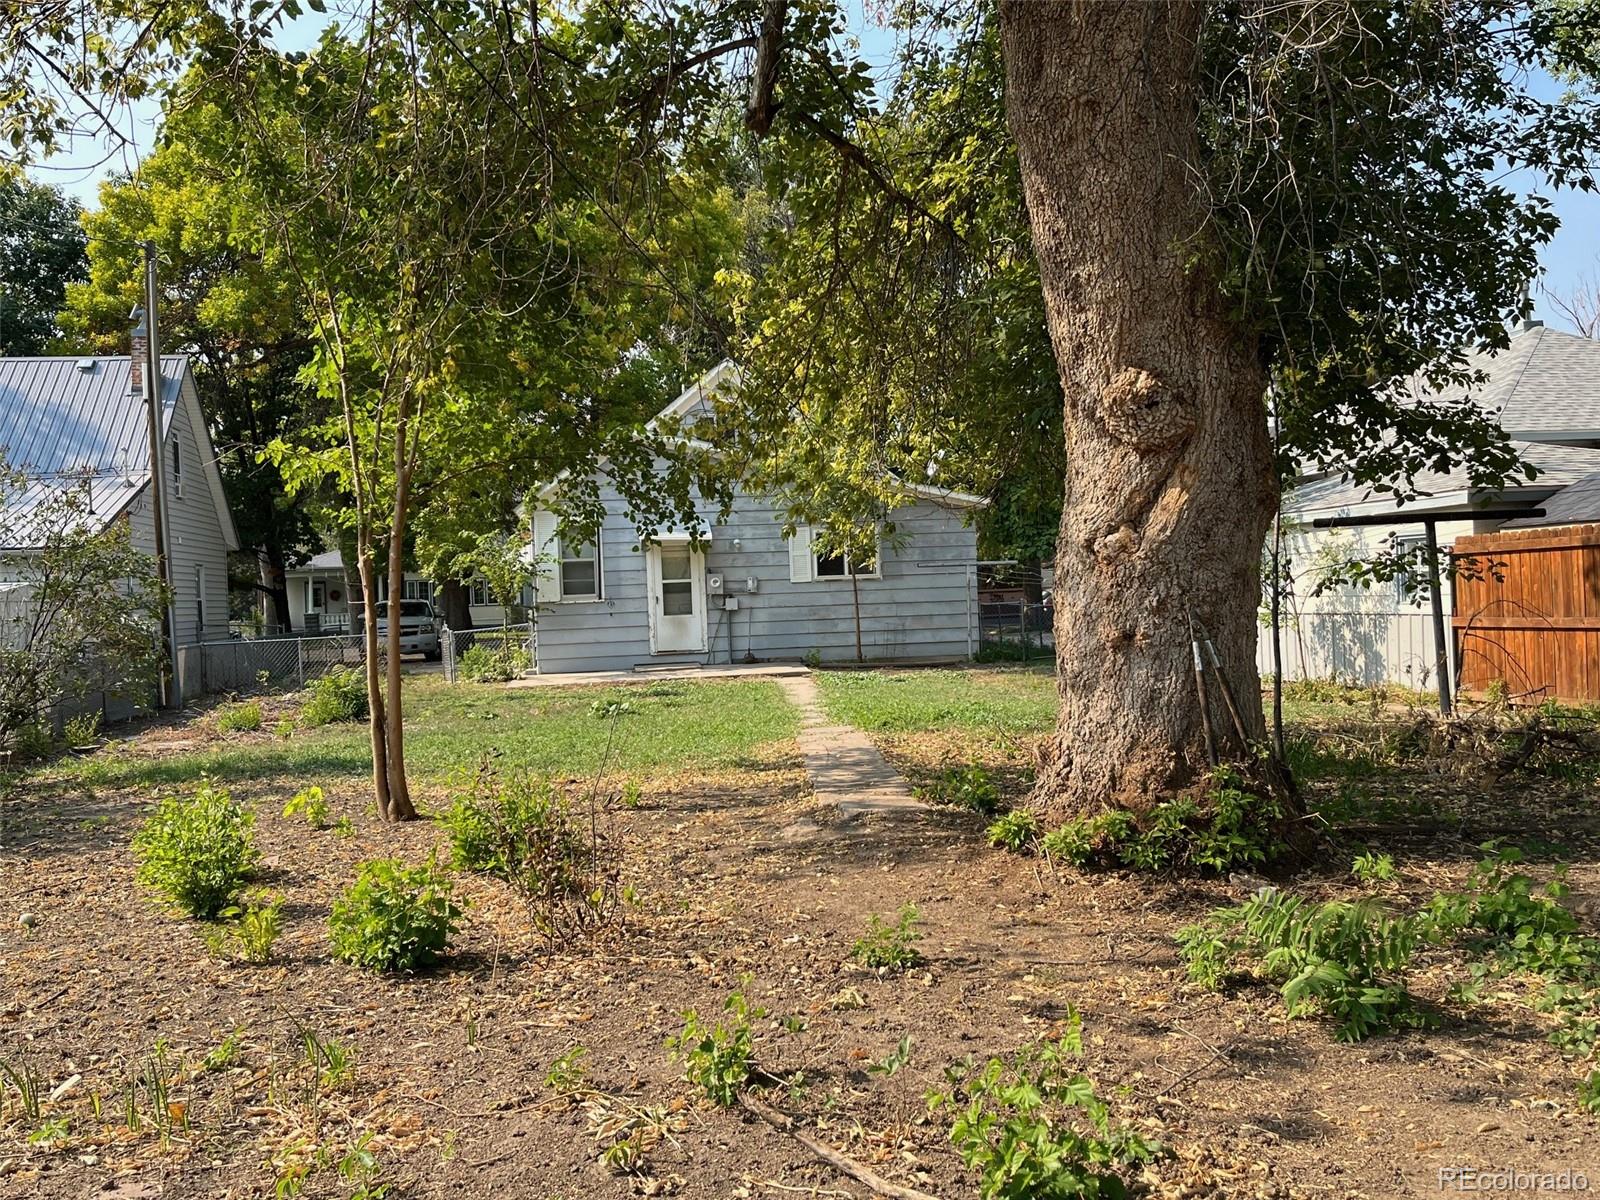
400,806
369,645
1169,483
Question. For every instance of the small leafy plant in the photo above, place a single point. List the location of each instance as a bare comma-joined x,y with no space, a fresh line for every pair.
1034,1129
885,947
394,917
197,851
718,1059
82,731
1368,867
338,695
310,803
255,927
1015,831
239,718
967,787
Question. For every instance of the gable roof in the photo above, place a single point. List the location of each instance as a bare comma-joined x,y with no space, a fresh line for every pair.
63,419
1544,386
1576,504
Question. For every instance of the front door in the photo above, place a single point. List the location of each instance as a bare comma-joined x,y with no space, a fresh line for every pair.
677,599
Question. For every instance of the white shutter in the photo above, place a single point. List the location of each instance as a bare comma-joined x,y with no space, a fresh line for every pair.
546,578
800,565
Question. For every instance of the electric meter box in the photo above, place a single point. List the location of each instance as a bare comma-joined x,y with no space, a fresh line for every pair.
714,584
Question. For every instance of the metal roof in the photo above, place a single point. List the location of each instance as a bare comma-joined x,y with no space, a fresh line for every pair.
64,420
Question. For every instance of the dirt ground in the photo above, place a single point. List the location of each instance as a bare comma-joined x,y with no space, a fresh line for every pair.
739,875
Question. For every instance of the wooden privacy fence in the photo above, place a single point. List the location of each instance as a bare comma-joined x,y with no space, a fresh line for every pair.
1527,611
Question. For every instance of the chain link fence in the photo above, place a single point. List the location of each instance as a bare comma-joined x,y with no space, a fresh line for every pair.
494,652
236,664
1015,631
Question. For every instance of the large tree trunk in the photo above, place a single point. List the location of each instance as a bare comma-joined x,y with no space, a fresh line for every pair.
455,604
1169,484
276,583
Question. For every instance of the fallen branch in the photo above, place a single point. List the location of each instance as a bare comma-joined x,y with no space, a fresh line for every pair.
845,1166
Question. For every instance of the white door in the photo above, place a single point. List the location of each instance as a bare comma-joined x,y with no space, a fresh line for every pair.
677,580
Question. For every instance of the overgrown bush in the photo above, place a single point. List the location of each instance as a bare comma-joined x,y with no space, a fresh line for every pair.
239,718
1034,1129
1226,825
522,830
718,1059
1343,959
338,695
886,947
394,917
964,787
494,662
197,851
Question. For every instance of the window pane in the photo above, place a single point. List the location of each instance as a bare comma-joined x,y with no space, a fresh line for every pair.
830,565
674,562
571,553
577,578
677,598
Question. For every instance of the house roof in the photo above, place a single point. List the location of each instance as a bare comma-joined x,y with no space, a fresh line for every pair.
1544,386
328,560
65,419
1557,467
1576,504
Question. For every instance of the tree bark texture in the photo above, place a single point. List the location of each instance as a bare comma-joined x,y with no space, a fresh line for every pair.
1169,483
400,807
455,604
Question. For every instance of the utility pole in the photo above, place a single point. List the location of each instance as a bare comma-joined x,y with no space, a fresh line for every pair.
171,680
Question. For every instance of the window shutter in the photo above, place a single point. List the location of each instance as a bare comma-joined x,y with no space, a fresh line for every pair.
546,579
800,567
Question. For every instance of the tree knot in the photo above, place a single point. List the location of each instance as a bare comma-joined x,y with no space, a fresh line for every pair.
1141,411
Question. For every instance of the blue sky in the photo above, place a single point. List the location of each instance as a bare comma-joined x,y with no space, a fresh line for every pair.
1570,261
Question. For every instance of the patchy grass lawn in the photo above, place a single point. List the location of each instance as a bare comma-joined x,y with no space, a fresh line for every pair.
164,1072
666,726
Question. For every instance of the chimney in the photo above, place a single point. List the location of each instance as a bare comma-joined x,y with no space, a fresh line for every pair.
138,352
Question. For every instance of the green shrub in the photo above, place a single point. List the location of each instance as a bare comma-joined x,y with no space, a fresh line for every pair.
964,787
1367,867
1343,959
312,804
197,851
1034,1129
394,917
718,1059
886,947
522,830
1015,831
1087,839
32,741
494,661
239,718
338,695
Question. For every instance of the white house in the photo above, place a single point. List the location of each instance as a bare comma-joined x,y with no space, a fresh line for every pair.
65,419
1544,391
742,591
320,595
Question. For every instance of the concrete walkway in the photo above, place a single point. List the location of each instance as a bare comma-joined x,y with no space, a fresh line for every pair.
845,768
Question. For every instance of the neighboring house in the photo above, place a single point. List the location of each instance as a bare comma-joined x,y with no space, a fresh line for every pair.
62,419
746,592
1544,390
320,596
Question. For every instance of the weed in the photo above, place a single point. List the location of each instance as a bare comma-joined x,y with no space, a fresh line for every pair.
359,1166
312,804
1367,867
155,1078
239,718
338,695
496,663
32,740
885,947
1589,1092
331,1061
967,787
567,1073
225,1054
1033,1128
608,709
250,933
51,1133
344,827
631,795
717,1058
1338,958
1015,831
82,731
25,1081
394,917
284,729
892,1062
198,851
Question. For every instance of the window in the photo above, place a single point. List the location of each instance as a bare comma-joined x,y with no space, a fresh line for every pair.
177,469
677,581
843,566
580,570
416,589
319,596
1409,585
479,592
